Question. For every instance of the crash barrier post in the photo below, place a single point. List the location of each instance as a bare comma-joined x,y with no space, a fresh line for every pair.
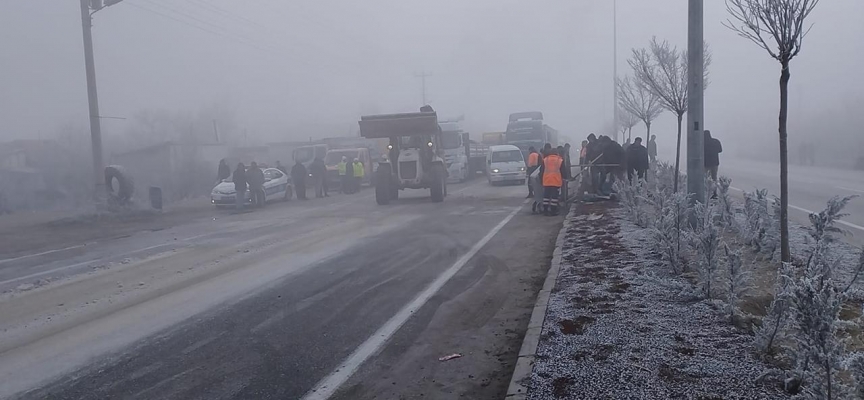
156,197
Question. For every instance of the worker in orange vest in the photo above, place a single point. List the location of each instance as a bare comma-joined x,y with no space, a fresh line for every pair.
533,164
552,171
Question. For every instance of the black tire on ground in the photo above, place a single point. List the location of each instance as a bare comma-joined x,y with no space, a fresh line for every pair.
125,186
438,181
383,181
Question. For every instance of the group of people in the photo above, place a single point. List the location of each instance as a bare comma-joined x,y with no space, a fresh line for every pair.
606,160
548,171
351,174
251,180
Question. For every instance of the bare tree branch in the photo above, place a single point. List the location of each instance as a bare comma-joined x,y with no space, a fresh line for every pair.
638,100
780,22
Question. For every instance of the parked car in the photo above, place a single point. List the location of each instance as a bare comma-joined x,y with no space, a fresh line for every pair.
277,186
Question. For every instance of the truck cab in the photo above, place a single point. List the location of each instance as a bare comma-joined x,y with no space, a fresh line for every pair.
454,146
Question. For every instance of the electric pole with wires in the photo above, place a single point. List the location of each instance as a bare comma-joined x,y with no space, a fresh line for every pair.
92,98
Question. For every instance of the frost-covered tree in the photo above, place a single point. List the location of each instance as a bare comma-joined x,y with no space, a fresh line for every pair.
705,240
780,22
738,280
774,325
626,122
855,365
635,98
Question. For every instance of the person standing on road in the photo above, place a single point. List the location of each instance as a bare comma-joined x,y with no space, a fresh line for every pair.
592,152
298,177
546,149
652,149
533,164
713,148
240,186
343,180
359,173
224,171
552,173
281,167
637,160
318,170
349,177
255,179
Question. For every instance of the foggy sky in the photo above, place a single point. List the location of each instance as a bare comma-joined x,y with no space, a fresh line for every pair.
282,67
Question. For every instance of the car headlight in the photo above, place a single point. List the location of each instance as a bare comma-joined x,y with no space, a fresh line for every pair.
495,170
521,168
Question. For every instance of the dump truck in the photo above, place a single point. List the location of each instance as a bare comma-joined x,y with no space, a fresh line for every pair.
414,154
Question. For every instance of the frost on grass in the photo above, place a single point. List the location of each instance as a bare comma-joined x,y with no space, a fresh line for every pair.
614,329
632,195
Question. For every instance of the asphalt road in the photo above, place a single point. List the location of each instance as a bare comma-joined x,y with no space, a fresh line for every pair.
333,297
809,189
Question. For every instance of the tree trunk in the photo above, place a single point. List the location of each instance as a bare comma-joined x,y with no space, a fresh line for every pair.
678,155
647,131
630,133
785,254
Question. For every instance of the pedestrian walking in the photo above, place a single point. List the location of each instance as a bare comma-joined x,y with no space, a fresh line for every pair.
359,173
552,172
240,186
255,178
533,164
652,149
713,148
318,171
224,171
298,177
343,180
637,160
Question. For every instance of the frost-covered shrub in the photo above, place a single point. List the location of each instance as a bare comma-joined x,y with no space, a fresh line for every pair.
632,195
807,309
774,327
761,228
705,239
670,211
738,280
724,203
855,365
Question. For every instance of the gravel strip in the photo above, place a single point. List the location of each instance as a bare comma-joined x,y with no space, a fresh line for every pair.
619,326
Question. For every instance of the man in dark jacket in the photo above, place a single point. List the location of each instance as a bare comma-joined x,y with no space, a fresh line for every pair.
255,177
318,170
240,185
652,148
713,148
592,151
637,160
224,171
298,178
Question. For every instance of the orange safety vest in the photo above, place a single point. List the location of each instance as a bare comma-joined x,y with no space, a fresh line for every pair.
552,170
534,159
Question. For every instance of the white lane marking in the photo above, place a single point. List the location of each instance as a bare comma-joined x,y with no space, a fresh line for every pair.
850,189
328,386
41,254
804,210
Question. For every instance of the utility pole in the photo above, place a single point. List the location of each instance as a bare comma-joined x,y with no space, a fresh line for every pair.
695,102
95,125
615,68
422,77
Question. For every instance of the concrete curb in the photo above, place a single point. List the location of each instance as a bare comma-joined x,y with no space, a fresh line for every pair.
518,388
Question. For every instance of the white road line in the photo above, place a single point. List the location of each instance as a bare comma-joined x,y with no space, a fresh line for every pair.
328,386
850,189
42,253
804,210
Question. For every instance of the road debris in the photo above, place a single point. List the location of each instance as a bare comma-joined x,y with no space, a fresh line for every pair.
450,357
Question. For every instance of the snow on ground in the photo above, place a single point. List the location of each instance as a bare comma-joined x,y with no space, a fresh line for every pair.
619,326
